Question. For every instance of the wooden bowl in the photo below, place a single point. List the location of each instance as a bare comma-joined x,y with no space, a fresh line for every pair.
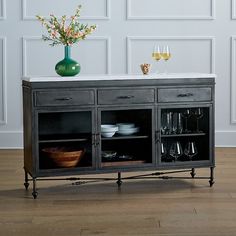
64,156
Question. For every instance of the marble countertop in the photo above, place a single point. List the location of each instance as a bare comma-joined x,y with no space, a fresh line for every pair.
119,77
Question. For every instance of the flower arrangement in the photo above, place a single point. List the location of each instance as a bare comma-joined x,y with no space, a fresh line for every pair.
61,32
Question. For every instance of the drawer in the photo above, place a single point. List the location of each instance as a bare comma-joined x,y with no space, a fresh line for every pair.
126,96
64,97
184,94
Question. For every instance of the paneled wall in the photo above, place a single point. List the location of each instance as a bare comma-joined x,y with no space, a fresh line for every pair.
201,35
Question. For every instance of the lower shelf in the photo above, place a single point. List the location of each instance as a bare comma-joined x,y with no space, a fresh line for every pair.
122,163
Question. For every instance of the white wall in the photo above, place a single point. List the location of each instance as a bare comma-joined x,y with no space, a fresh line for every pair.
200,33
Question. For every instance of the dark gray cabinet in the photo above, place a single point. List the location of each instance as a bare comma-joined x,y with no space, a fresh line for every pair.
174,119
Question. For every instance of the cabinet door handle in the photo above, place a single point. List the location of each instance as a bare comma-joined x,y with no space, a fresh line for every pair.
125,97
185,95
63,99
93,140
157,136
97,139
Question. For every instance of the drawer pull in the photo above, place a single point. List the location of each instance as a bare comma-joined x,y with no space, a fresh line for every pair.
63,99
125,97
185,95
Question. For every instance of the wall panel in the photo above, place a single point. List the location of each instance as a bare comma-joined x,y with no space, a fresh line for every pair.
30,8
167,9
39,59
2,9
3,92
233,10
189,54
233,80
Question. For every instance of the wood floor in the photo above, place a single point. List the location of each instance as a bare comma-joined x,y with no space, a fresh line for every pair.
140,207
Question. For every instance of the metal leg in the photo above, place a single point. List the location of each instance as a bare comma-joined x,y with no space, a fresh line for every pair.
193,173
26,183
119,181
211,181
34,193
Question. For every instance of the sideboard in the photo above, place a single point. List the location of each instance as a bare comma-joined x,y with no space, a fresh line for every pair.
174,114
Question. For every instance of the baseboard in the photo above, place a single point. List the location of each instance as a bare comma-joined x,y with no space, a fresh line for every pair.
14,139
225,138
11,140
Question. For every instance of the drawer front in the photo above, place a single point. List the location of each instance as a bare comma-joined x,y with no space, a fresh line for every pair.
64,97
184,94
126,96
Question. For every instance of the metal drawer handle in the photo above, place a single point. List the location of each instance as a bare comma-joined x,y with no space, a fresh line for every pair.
185,95
125,97
63,99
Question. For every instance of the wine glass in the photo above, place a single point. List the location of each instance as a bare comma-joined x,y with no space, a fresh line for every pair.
190,150
198,113
186,114
177,127
163,152
166,122
176,150
166,55
156,54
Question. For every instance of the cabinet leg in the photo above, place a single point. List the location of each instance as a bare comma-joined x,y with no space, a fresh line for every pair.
119,181
211,181
193,173
26,183
34,193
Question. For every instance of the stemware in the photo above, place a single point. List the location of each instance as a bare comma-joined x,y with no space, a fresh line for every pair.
166,55
163,152
166,122
156,54
190,150
176,150
186,114
198,113
177,127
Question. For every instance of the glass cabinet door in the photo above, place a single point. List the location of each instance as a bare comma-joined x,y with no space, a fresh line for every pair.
184,135
65,140
129,142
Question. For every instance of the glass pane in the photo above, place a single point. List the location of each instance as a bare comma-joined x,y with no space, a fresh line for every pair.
130,139
65,140
184,134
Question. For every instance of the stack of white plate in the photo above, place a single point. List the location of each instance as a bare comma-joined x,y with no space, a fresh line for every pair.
127,128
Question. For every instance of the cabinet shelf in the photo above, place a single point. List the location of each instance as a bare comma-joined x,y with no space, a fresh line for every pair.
182,135
64,138
120,137
122,163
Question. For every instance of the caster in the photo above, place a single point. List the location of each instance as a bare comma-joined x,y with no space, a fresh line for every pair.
26,184
211,182
193,173
119,181
35,195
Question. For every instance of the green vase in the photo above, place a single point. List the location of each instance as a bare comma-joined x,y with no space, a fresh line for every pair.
67,67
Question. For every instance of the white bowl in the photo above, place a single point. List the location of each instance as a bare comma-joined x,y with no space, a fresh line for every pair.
128,131
109,128
122,126
108,134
